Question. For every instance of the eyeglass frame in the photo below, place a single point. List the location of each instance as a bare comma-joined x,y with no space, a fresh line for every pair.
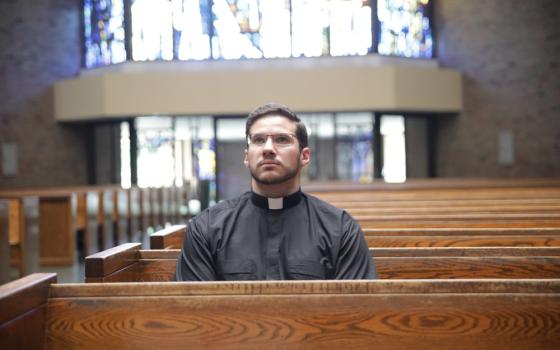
292,136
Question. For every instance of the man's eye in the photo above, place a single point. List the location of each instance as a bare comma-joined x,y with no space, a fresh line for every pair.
282,139
258,139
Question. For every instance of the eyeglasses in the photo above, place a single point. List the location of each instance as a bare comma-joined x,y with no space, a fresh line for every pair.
279,140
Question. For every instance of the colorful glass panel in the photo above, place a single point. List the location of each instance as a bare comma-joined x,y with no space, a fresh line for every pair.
191,27
152,30
237,25
104,36
350,27
405,28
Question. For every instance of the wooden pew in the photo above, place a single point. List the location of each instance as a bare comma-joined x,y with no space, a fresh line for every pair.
88,224
127,263
413,314
168,238
24,304
56,219
431,183
454,208
440,194
4,242
106,236
156,208
134,215
19,232
495,220
172,237
444,204
462,237
119,216
145,209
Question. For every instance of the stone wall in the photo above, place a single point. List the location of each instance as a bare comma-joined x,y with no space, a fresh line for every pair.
509,54
39,44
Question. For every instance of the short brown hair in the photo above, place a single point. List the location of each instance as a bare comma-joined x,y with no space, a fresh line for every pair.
276,108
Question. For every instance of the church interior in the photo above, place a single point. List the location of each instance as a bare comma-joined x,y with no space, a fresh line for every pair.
434,123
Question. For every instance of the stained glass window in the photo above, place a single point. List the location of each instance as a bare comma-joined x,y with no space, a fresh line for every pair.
350,27
104,36
237,25
354,146
335,27
405,28
234,29
152,30
191,28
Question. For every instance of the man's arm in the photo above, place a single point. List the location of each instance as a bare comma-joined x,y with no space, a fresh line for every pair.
195,262
354,260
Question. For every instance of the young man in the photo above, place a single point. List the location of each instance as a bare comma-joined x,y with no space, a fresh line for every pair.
275,231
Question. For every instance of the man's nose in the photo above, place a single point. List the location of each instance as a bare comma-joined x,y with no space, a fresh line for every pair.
269,145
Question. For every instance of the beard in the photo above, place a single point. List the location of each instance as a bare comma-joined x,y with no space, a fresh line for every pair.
277,179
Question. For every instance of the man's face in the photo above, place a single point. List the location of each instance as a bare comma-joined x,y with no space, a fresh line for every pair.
271,163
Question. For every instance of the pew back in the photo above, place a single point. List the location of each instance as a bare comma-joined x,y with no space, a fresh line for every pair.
127,263
461,314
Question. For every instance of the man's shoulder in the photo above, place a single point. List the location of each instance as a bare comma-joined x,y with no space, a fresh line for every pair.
323,206
225,206
232,202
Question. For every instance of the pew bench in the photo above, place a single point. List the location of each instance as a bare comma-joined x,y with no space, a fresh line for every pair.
172,237
413,314
128,263
464,220
439,194
463,237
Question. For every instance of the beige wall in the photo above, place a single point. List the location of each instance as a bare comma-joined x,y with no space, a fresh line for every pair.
333,84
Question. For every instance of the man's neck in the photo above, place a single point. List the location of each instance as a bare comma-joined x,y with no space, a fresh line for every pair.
275,191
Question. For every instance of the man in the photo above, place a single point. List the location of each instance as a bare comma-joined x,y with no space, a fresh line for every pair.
275,231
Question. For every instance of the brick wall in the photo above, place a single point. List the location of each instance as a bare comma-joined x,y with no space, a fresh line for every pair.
509,54
39,44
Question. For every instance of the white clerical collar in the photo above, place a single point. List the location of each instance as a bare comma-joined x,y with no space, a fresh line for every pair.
277,203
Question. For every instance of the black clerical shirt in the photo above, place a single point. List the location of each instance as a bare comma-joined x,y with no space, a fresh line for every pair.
257,238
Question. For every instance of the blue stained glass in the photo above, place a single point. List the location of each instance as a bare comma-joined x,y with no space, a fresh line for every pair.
104,37
233,29
404,28
191,29
236,29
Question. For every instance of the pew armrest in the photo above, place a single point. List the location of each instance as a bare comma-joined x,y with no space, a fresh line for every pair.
102,264
23,297
168,238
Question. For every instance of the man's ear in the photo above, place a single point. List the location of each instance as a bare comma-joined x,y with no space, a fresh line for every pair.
245,160
305,156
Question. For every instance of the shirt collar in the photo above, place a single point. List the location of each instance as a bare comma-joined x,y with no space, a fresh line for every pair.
279,203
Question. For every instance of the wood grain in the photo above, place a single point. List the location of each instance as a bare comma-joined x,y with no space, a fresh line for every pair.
168,238
57,244
391,263
463,241
356,317
20,296
230,288
111,260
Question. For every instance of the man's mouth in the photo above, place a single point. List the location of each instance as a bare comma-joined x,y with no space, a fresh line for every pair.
268,162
